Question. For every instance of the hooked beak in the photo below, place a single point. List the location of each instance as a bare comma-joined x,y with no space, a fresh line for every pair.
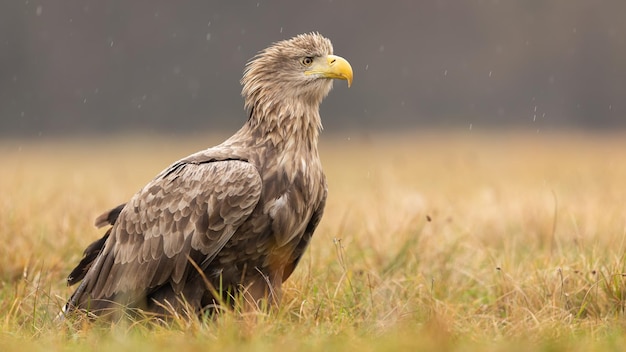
333,67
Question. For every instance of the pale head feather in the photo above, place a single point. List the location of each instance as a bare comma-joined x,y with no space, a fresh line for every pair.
275,85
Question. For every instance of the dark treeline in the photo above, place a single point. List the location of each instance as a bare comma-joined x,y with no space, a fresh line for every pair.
109,66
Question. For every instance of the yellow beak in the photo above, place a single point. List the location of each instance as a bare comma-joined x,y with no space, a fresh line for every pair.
332,66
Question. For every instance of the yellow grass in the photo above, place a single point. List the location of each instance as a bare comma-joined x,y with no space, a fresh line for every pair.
436,241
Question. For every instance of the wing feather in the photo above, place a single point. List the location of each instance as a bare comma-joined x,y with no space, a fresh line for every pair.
188,210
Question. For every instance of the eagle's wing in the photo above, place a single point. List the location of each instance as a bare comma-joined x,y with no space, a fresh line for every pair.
188,212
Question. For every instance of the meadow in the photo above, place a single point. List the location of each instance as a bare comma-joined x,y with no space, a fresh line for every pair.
434,240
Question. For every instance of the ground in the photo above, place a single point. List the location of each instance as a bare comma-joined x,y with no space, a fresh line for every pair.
431,240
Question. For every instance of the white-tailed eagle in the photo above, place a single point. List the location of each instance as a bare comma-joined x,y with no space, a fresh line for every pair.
232,219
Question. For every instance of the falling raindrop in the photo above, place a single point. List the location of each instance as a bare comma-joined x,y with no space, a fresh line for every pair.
39,10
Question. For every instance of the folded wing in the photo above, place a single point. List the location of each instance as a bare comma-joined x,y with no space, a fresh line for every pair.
187,213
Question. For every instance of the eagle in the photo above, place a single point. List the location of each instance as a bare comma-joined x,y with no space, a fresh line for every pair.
229,221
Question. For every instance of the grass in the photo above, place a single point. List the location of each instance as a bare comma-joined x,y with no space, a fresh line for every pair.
436,241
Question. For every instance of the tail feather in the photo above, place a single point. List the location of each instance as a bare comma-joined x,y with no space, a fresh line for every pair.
89,256
109,217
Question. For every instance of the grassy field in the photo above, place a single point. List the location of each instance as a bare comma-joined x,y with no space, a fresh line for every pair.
437,241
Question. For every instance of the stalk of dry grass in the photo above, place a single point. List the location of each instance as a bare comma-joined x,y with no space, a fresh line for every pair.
446,241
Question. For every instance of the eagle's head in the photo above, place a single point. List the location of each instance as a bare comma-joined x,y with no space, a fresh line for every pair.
301,68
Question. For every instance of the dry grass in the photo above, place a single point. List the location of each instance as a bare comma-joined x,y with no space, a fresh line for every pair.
439,241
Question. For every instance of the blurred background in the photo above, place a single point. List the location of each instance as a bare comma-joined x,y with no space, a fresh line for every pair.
89,67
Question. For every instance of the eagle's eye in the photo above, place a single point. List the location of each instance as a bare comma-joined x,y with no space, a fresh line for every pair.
307,61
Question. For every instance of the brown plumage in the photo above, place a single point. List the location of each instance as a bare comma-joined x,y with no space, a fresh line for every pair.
238,215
